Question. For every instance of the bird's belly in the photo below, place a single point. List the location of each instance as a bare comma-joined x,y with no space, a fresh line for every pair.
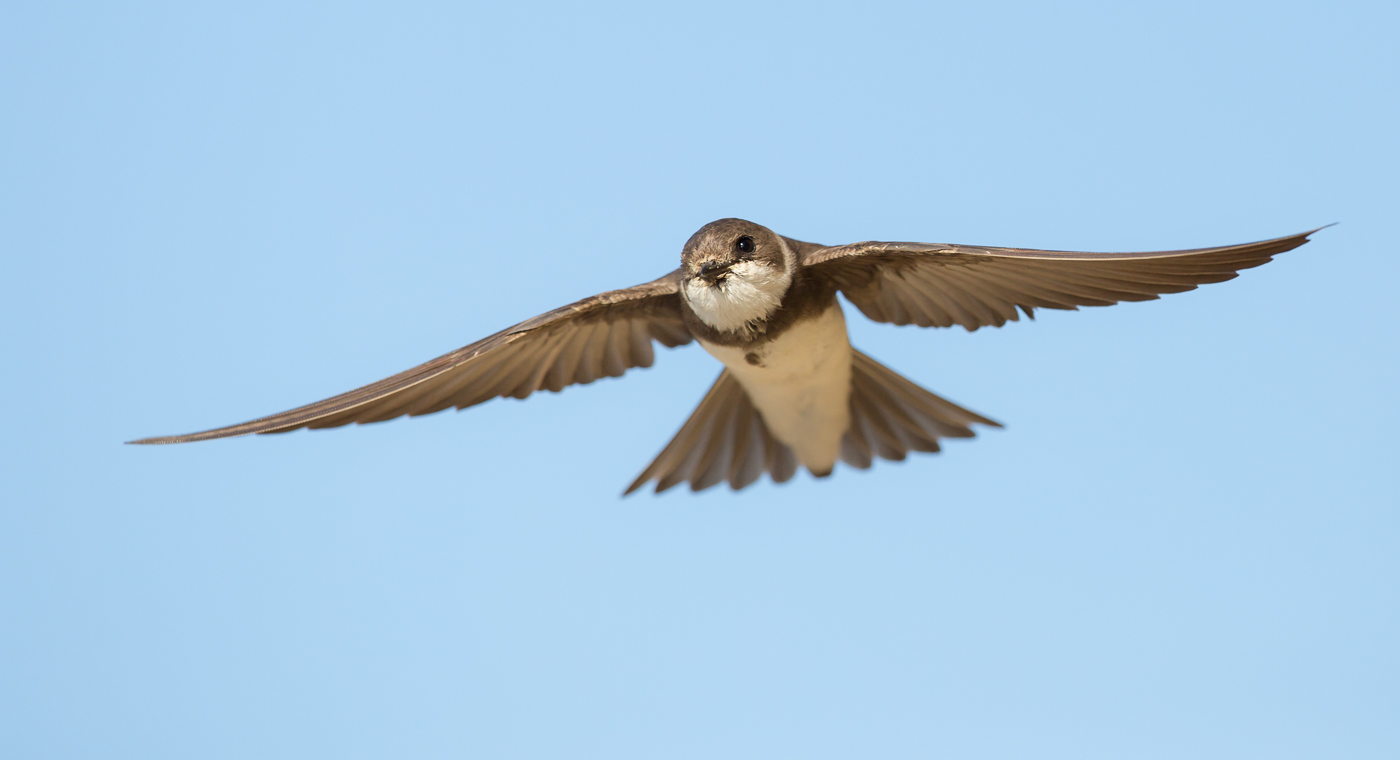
801,384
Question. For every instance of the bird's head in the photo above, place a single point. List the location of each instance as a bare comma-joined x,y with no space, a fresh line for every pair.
735,273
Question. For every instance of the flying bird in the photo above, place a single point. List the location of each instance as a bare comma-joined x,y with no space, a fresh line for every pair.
793,390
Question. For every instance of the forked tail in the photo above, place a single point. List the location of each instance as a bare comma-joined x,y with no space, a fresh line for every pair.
726,438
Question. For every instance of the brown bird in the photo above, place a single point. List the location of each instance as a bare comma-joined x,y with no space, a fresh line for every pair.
793,390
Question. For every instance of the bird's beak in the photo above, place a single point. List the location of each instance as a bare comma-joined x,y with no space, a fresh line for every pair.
713,272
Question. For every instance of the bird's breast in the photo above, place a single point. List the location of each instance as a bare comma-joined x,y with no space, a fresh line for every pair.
800,382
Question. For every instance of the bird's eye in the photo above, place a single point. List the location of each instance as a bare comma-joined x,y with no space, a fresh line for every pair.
744,244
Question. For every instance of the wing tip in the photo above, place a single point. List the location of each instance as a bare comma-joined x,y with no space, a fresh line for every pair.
163,440
1306,237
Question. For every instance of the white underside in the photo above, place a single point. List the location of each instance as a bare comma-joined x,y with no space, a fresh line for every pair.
801,386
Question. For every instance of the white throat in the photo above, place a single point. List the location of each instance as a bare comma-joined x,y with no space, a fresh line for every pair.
750,293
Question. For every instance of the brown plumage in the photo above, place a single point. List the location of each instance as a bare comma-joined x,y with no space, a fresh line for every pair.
727,438
602,336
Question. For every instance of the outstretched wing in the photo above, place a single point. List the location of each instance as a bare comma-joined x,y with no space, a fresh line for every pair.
600,336
933,285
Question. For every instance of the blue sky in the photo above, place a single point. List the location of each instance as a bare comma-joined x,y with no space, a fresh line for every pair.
1184,544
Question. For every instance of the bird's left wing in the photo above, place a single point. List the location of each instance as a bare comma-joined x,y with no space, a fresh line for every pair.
936,285
600,336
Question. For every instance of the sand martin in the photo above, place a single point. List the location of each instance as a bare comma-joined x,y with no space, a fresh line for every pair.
793,390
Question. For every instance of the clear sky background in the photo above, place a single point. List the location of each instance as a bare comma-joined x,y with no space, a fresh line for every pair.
1186,542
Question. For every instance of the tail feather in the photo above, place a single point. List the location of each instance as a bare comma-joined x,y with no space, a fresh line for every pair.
891,416
727,439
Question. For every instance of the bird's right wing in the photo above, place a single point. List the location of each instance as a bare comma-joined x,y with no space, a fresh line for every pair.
600,336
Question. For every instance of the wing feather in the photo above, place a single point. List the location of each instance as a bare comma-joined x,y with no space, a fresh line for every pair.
600,336
934,285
